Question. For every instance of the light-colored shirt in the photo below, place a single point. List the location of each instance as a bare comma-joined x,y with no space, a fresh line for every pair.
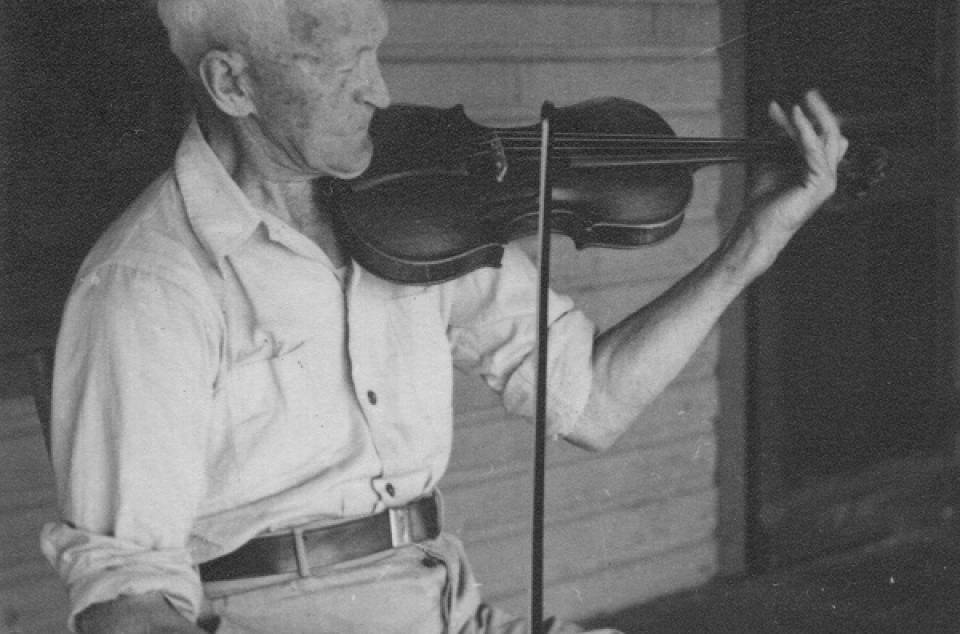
217,377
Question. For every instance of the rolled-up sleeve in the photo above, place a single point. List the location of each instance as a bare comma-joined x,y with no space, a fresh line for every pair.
135,366
494,335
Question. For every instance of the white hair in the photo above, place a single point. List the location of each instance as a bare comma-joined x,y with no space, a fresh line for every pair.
198,26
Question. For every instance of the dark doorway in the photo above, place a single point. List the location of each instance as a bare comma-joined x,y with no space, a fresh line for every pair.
91,107
852,432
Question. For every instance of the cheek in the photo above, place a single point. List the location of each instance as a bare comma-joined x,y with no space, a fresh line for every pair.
289,97
333,109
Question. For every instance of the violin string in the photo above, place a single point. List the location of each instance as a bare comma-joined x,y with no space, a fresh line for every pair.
507,134
634,140
653,144
604,159
632,148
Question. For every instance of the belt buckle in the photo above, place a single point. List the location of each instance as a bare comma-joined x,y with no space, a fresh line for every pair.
400,529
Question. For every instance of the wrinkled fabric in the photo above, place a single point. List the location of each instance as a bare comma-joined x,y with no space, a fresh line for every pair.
420,589
216,377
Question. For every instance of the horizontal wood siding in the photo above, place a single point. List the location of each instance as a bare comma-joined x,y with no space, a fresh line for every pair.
32,599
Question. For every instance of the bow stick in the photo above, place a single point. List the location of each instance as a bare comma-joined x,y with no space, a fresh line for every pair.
540,421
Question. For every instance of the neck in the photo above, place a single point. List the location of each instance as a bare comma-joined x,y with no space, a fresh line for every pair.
292,201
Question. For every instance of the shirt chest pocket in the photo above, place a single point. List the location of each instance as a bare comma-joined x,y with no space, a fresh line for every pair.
260,381
288,408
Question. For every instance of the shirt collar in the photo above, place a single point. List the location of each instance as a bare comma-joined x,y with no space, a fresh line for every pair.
221,215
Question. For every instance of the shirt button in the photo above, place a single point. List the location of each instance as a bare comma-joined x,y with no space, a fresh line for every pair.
372,397
390,490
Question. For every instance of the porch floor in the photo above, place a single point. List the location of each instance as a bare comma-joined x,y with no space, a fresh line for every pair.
910,586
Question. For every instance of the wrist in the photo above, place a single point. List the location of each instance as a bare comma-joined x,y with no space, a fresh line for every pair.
744,255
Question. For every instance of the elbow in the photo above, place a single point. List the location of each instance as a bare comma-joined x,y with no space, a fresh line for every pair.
602,422
592,438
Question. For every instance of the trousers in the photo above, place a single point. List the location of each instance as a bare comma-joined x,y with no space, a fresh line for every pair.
425,588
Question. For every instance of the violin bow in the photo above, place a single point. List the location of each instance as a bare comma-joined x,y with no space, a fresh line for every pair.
540,420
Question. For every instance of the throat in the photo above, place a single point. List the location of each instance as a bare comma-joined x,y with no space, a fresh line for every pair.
299,206
317,224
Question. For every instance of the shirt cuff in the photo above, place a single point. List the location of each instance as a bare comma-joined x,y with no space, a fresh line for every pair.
97,568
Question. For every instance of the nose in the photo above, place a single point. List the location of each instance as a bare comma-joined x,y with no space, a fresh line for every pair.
376,94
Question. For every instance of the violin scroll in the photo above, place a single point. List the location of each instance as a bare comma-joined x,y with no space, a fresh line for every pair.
863,167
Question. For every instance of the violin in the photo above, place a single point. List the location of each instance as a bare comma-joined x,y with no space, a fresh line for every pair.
443,194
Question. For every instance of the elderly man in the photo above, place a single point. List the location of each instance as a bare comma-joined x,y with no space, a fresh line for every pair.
241,414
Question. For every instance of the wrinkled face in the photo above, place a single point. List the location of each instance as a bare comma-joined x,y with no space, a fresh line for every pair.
317,87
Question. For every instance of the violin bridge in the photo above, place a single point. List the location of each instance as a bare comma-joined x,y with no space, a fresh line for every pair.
499,158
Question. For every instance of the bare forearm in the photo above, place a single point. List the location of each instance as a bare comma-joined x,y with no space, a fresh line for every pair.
636,359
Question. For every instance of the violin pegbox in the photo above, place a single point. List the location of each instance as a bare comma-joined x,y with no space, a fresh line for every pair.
863,167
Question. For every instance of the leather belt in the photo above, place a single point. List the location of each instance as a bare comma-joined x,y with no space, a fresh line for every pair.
301,550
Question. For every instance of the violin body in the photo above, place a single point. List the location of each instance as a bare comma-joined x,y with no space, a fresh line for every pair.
443,194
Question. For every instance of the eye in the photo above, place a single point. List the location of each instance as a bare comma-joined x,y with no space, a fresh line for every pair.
311,63
360,58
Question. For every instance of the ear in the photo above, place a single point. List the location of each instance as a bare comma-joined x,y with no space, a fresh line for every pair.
224,75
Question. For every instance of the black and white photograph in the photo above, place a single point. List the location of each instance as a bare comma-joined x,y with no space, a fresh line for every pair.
479,316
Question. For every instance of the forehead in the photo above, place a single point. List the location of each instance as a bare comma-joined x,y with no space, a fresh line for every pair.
319,22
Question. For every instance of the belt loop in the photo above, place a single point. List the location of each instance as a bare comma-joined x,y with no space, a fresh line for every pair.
438,503
300,549
400,533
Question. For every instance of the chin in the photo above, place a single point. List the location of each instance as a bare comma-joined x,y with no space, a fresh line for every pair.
349,172
353,168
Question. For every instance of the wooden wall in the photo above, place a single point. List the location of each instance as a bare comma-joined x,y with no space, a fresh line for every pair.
624,526
32,599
